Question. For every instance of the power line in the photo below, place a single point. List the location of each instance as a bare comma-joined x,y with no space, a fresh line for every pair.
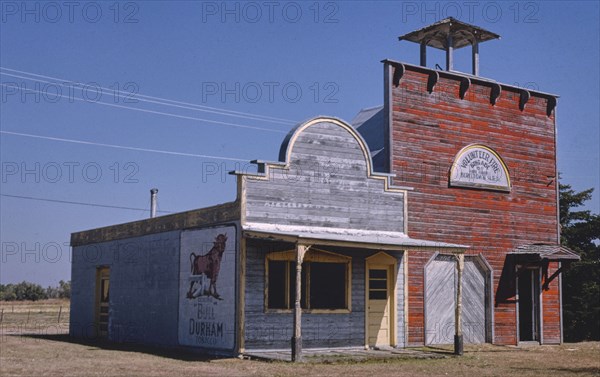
159,112
190,107
163,101
77,203
121,146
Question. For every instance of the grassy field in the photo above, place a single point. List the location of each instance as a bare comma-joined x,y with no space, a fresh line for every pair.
34,343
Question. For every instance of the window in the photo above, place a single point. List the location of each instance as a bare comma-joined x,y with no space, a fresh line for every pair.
325,281
378,284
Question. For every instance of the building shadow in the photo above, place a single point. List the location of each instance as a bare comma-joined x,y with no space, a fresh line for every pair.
506,291
176,353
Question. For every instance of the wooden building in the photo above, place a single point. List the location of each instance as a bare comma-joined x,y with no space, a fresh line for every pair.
429,219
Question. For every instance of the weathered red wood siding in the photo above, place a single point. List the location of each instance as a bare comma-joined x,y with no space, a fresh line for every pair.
427,132
416,296
551,308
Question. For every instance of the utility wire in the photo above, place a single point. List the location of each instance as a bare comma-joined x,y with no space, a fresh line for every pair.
78,203
121,146
257,117
159,112
160,100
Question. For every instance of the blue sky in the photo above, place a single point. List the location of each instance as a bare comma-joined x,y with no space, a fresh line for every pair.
242,74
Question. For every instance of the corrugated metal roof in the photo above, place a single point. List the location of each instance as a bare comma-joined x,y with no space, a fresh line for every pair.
547,251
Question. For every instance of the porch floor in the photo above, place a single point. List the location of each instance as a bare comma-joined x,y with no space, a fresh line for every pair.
345,354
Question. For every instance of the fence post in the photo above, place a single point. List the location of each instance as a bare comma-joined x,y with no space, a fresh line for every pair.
59,313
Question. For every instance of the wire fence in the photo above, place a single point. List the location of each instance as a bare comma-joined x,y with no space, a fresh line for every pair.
34,314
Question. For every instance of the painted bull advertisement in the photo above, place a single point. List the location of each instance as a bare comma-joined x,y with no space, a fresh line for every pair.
207,288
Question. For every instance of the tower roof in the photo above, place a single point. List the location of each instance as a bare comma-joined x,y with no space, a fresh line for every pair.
436,35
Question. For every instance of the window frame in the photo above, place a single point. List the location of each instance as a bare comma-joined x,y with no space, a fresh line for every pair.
313,255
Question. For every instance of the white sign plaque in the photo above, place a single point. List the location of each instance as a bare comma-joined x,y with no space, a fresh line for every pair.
478,166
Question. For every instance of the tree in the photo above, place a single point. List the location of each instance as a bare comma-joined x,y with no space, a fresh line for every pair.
7,292
32,292
64,289
29,291
580,231
51,292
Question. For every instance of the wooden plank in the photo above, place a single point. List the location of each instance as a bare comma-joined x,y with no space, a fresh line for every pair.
440,301
327,184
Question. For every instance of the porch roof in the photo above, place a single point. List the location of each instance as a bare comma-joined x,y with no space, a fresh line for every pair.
346,237
547,251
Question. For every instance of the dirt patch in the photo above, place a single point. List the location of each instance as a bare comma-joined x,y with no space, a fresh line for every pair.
45,349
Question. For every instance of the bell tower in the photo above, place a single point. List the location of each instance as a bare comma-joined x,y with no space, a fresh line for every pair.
450,34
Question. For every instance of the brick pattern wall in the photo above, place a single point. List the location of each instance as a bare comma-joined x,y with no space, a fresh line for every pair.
428,130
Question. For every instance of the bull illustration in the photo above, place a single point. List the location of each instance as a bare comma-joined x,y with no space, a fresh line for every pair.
208,265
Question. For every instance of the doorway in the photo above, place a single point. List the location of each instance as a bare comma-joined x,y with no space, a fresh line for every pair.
380,292
528,293
441,280
102,301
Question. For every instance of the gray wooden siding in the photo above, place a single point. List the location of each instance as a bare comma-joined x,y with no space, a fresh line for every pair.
400,336
274,330
440,296
327,185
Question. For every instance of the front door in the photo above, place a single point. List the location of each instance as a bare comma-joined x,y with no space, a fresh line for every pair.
528,291
102,301
379,306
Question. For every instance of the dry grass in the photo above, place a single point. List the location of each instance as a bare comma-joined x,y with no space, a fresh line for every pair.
46,350
25,314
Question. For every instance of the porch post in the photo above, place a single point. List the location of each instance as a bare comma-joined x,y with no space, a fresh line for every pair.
449,53
475,57
458,336
297,337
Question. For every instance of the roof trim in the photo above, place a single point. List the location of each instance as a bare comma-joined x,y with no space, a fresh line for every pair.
208,216
345,237
474,79
547,251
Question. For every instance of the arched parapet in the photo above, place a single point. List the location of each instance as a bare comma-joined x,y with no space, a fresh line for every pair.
324,178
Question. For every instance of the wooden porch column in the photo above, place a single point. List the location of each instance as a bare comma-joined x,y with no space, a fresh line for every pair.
458,336
297,337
